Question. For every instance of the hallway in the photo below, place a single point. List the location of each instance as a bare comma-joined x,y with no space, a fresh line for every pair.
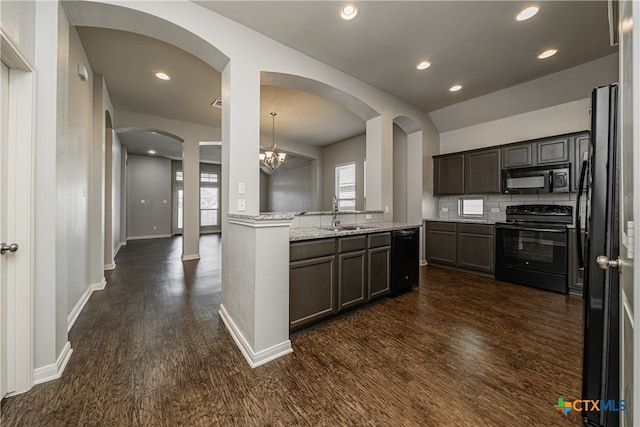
150,350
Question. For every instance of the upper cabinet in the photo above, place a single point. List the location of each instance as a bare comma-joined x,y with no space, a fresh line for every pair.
580,149
518,156
478,171
552,151
448,175
482,172
469,173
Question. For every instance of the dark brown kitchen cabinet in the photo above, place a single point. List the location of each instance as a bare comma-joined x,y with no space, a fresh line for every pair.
518,156
352,273
551,151
580,149
463,245
442,243
475,247
448,175
312,281
379,265
482,172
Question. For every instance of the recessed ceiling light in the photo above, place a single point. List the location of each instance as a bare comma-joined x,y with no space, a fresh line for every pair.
547,53
455,88
348,12
151,152
163,76
423,65
527,13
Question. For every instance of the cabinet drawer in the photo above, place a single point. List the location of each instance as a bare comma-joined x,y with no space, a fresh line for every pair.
442,226
349,244
311,249
380,239
486,229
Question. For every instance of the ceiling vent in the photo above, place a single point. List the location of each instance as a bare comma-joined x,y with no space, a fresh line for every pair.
217,103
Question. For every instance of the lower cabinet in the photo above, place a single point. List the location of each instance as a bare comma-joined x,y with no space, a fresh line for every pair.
379,265
328,276
464,245
312,282
475,247
442,243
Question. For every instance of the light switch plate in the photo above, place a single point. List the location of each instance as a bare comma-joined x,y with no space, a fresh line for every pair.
445,209
495,210
143,201
241,188
367,216
386,209
242,205
164,202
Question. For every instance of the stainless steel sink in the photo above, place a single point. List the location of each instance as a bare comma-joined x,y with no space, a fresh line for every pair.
349,227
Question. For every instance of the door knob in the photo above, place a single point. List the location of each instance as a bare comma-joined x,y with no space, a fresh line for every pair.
11,248
604,262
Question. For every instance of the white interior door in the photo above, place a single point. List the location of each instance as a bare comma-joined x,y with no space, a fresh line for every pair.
4,125
630,201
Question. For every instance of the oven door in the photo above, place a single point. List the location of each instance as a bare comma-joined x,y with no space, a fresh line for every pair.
538,248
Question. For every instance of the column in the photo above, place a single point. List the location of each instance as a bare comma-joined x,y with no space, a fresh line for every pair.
191,200
380,166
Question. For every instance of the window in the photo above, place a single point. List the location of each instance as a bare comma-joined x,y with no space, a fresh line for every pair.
179,176
471,207
208,177
346,187
208,206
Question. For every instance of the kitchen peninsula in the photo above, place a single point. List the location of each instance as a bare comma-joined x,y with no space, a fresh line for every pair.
342,262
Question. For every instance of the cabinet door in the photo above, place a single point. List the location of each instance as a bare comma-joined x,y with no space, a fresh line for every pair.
475,251
311,290
580,148
351,279
482,172
379,262
441,243
519,155
448,175
552,151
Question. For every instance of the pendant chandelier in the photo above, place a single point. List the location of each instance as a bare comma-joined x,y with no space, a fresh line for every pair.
272,158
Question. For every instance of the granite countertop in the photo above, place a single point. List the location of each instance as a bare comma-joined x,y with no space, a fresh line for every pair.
266,216
311,233
469,220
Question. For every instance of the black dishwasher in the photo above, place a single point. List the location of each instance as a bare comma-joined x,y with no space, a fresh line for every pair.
405,272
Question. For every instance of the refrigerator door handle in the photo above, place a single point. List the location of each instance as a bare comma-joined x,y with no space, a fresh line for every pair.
583,177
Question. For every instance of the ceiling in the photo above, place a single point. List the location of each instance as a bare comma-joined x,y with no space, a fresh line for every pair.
477,44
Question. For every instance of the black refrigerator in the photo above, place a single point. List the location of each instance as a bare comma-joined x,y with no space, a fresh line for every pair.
598,191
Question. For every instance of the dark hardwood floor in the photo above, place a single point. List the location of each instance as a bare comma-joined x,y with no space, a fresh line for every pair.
463,350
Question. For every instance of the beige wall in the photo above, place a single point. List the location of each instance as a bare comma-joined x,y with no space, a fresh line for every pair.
351,150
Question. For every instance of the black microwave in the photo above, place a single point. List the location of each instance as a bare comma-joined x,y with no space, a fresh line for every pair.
536,180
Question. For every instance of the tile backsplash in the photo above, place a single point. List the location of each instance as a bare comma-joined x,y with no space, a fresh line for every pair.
448,205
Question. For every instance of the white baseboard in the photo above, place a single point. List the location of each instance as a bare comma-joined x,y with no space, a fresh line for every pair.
123,243
423,262
71,318
254,359
54,371
109,267
99,286
117,249
190,257
154,236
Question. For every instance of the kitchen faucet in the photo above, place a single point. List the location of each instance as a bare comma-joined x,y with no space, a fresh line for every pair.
334,221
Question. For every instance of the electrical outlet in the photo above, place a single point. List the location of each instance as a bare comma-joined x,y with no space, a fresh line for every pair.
445,209
155,227
164,202
386,209
241,188
495,210
242,205
143,201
